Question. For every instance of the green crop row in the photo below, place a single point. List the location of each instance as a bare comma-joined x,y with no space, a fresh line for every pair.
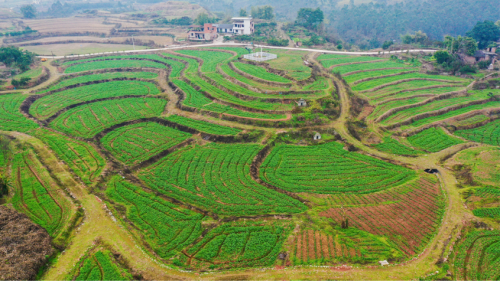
367,66
433,140
433,106
489,133
351,59
487,192
260,72
383,108
104,58
391,145
375,73
487,213
382,81
203,126
250,82
238,50
321,83
223,96
192,64
11,119
99,266
36,195
81,157
97,65
135,143
477,256
328,168
405,86
409,94
88,120
167,227
49,105
217,177
332,56
210,58
453,113
99,77
240,244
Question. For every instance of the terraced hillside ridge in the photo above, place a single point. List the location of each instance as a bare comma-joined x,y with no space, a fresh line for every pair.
328,168
80,156
433,140
49,105
217,178
88,120
36,194
477,256
10,115
489,133
138,142
99,263
203,126
407,214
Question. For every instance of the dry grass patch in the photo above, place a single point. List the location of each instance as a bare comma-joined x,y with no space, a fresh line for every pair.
69,25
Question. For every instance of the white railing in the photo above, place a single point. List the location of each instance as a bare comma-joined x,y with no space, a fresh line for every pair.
260,56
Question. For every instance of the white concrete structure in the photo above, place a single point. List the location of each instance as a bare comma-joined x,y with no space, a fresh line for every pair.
260,56
317,136
243,26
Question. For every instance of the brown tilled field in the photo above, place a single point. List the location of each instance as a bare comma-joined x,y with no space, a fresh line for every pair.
69,25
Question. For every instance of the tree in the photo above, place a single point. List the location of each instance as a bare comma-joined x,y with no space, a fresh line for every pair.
485,33
203,18
465,45
14,57
243,12
310,18
387,44
263,12
29,11
441,56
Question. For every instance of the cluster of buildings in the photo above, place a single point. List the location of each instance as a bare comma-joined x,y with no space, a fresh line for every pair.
209,31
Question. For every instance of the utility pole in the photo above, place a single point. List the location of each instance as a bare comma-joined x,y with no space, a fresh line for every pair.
133,42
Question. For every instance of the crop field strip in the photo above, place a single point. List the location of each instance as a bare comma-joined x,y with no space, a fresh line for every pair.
408,113
349,69
477,256
433,140
383,108
390,145
37,195
411,212
135,143
330,60
166,227
49,105
252,83
80,156
379,100
11,118
99,265
239,244
409,86
328,168
291,62
350,245
105,58
99,77
489,133
491,105
203,126
376,74
381,82
216,177
493,213
487,192
98,65
196,99
260,72
87,120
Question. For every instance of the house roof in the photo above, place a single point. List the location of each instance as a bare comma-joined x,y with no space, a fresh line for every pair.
479,54
225,26
242,18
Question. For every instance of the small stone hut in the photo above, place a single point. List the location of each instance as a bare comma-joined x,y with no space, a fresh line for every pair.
302,102
317,136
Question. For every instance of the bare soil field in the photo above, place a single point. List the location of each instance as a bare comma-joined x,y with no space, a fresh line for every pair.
79,48
69,25
162,40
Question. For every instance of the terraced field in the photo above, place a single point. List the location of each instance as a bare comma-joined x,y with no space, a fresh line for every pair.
135,143
88,120
195,159
328,169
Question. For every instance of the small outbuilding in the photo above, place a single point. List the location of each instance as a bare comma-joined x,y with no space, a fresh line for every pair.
382,263
302,103
317,136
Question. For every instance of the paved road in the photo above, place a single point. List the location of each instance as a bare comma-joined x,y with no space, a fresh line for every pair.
234,44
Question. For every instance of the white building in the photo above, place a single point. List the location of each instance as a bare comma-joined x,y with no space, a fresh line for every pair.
243,25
